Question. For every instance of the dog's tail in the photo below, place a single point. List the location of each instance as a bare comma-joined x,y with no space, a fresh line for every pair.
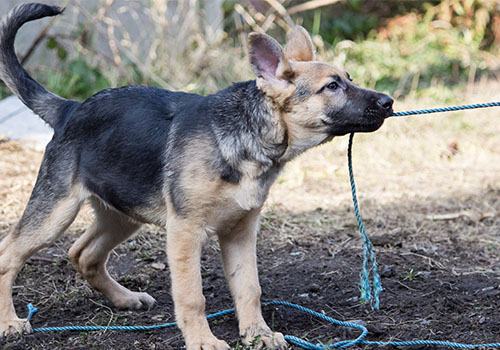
50,107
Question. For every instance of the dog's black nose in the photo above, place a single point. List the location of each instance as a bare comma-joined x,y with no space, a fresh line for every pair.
385,102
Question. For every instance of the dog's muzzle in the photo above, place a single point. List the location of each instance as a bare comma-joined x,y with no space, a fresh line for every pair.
384,105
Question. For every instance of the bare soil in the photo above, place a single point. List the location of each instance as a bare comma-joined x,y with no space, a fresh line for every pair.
433,215
446,289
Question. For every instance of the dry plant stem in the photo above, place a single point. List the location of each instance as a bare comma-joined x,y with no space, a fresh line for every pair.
282,11
270,18
111,37
111,314
241,34
310,5
268,22
248,18
284,20
142,68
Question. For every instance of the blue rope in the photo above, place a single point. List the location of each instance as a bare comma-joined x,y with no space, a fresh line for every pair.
370,266
370,283
291,339
370,290
446,109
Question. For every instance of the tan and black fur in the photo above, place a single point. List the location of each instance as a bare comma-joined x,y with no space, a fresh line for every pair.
197,166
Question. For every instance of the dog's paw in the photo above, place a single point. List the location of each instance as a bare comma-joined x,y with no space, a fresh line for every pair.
275,341
14,327
264,338
207,343
135,301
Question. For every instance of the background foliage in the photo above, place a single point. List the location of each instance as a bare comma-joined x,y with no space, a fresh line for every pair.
423,48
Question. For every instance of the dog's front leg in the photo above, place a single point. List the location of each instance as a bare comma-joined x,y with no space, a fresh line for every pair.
240,265
184,244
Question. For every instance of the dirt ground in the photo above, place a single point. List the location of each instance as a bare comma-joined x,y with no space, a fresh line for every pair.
429,190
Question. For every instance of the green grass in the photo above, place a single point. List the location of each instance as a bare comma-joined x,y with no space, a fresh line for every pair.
425,61
77,79
4,91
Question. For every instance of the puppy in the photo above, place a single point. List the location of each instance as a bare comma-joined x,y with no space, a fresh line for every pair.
196,165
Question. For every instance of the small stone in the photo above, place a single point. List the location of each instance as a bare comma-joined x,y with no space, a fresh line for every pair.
388,271
314,288
158,266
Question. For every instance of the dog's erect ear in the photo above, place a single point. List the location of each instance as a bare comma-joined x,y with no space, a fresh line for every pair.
272,68
299,46
266,57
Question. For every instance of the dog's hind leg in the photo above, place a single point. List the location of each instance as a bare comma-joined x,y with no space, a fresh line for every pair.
90,253
238,249
52,207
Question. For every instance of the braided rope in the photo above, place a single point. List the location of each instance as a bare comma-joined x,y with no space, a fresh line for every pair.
446,109
291,339
32,310
370,283
370,266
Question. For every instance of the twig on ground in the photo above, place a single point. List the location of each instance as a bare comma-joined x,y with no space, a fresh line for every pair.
107,308
430,261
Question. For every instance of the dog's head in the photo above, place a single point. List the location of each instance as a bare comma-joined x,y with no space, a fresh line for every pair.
315,100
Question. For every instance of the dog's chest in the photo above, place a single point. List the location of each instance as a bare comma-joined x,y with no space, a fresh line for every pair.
235,205
252,190
250,194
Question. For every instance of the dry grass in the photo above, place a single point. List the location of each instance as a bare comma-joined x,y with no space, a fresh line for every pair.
19,164
18,168
193,46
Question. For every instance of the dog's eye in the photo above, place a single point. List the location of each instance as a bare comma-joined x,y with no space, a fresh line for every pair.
332,86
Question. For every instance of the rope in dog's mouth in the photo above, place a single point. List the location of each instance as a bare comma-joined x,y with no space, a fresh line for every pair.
370,283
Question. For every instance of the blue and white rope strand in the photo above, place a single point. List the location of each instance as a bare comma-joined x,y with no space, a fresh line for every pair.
291,339
446,109
370,266
370,283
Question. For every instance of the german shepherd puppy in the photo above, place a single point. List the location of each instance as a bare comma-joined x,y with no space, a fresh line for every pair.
196,165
